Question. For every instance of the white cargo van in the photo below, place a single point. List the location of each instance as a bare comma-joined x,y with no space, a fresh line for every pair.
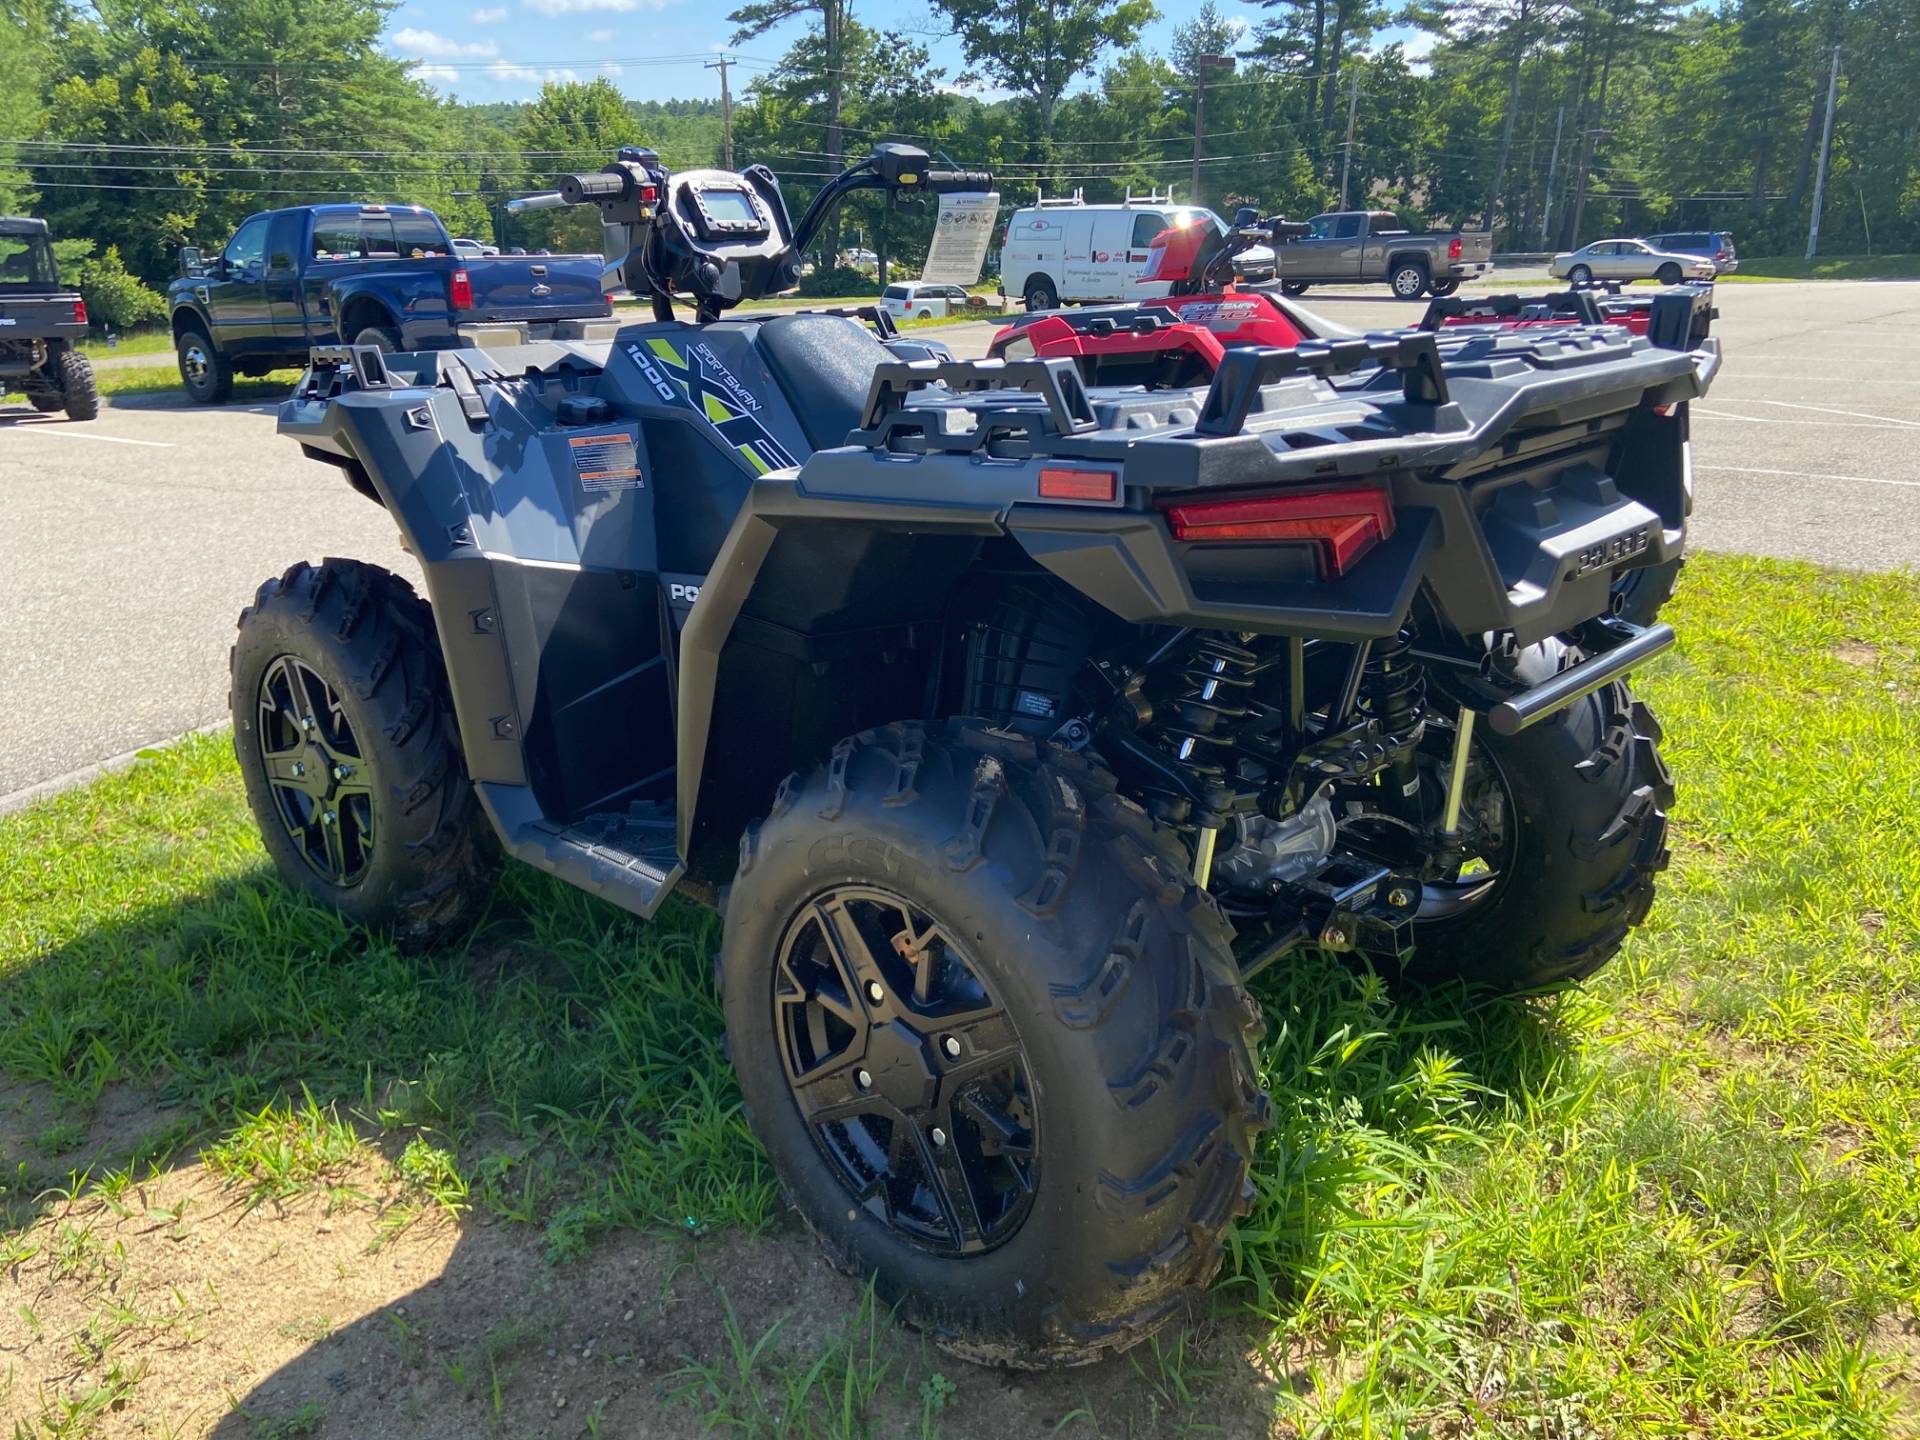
1066,252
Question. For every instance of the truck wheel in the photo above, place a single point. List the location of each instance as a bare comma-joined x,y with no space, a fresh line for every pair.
204,371
1440,289
345,734
383,338
1409,279
1040,294
993,1039
1293,287
1579,275
78,394
1570,820
1668,274
46,402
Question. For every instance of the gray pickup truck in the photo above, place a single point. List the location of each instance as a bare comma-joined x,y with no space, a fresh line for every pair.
1369,246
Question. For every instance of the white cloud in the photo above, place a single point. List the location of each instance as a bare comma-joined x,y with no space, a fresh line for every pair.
521,74
489,15
436,74
439,47
584,7
600,37
608,67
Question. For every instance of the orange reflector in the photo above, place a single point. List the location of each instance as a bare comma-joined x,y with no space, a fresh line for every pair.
1342,524
1064,484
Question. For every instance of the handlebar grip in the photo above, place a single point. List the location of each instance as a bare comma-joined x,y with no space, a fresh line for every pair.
551,200
946,182
585,189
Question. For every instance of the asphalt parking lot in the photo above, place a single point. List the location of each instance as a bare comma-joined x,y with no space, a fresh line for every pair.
130,544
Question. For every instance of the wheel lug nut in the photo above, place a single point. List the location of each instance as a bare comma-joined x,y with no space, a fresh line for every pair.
298,769
340,772
939,1138
863,1079
952,1047
875,991
1400,897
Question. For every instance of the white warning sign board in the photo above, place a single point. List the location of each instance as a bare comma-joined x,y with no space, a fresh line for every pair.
960,238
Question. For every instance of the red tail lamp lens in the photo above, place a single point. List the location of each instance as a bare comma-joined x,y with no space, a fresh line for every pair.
1065,484
1343,525
79,312
460,290
1453,248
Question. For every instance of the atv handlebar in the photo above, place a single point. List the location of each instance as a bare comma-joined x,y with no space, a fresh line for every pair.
948,182
595,186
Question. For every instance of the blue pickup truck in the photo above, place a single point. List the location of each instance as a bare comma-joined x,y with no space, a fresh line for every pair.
384,275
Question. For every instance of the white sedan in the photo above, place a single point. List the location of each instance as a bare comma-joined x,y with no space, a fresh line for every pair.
922,300
1629,260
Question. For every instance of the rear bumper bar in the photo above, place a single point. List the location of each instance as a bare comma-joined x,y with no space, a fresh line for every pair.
1550,697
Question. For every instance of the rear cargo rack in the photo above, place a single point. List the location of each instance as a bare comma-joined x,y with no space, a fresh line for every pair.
1057,381
1243,373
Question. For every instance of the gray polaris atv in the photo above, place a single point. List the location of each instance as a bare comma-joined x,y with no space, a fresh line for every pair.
41,325
1014,726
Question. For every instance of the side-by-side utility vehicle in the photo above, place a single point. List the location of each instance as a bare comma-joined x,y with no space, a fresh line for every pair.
41,325
1014,725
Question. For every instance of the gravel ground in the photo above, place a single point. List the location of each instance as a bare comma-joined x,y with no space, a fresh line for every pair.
133,542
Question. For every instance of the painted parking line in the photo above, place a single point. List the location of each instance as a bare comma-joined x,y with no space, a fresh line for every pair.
62,434
1702,412
1805,475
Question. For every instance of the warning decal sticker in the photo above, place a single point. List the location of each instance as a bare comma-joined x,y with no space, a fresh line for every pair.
606,462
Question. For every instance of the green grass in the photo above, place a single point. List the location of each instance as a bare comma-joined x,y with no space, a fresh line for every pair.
1828,267
158,379
150,342
1680,1201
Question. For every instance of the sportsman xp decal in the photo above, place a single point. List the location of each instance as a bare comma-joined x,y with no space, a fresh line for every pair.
704,385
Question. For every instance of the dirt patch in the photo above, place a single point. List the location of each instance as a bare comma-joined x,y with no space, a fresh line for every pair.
1897,1337
1857,652
178,1311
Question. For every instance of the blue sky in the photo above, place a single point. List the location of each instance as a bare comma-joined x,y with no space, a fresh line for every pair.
484,50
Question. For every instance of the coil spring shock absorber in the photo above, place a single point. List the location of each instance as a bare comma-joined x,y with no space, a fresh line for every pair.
1393,692
1214,677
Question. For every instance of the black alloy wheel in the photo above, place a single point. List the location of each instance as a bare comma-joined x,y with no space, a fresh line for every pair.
322,783
906,1070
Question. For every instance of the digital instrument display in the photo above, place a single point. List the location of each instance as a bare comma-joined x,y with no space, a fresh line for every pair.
730,207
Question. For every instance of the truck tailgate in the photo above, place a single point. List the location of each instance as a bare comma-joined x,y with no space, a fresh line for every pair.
535,287
1475,246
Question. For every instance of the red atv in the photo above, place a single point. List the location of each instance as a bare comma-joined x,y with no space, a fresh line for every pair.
1178,341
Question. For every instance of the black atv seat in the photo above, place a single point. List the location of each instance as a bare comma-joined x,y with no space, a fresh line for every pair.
824,364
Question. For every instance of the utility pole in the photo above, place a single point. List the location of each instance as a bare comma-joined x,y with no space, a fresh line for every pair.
1201,65
1580,185
726,109
1826,149
1353,111
1553,165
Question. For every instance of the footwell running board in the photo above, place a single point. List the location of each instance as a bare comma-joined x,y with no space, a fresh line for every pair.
626,857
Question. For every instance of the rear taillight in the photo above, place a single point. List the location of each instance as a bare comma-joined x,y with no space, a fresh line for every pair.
460,291
649,194
79,312
1453,248
1342,525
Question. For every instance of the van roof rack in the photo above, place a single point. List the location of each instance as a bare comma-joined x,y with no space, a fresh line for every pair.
1079,197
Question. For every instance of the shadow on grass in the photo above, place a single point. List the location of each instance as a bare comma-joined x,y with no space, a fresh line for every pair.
568,1061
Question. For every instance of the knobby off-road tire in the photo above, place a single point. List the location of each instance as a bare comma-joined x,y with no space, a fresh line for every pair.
366,634
1639,594
1588,796
1077,915
78,394
46,401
